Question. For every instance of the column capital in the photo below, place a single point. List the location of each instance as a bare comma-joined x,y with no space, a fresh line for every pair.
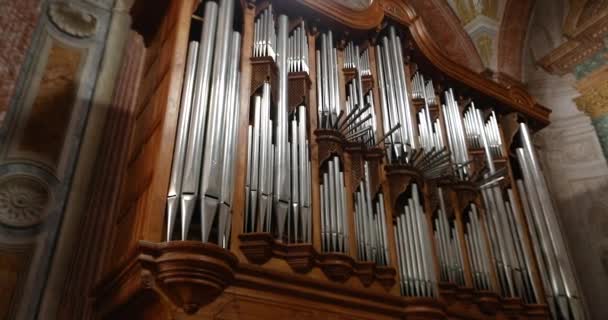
594,94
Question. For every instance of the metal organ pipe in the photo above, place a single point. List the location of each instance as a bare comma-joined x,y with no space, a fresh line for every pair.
278,179
198,140
280,162
563,297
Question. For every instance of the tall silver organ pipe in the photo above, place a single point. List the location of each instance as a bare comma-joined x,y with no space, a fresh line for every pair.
334,220
478,250
278,180
412,236
562,297
213,171
177,168
206,135
420,90
327,76
394,94
362,128
370,223
450,255
264,36
298,50
456,136
430,134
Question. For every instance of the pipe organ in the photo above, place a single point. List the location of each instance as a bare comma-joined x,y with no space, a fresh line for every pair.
333,163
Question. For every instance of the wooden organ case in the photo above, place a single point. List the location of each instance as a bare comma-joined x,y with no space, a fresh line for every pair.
404,239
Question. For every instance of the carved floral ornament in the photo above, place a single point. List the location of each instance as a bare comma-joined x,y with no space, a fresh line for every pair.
72,20
24,201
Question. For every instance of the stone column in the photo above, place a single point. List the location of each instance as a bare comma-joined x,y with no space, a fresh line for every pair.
594,102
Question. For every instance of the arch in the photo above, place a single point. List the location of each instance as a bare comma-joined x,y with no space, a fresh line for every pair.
512,36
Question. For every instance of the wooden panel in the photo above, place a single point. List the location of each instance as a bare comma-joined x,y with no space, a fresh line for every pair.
153,132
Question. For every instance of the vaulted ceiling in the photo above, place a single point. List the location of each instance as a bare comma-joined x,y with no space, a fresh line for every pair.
496,36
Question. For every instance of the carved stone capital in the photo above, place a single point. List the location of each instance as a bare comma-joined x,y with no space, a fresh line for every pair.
594,101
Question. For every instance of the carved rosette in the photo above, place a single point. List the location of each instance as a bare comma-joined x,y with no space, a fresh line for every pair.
190,273
72,20
24,201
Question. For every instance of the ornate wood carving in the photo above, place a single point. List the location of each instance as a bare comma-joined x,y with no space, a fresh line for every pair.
399,178
299,86
190,276
264,69
259,248
329,142
190,273
366,19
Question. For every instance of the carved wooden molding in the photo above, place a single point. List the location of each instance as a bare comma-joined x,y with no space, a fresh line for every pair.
357,19
189,274
488,301
586,39
260,247
399,178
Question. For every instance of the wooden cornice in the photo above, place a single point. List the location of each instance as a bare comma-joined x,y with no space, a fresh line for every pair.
357,19
189,274
585,39
513,95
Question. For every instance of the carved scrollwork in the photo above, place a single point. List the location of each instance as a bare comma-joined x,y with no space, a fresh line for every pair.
23,201
72,20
